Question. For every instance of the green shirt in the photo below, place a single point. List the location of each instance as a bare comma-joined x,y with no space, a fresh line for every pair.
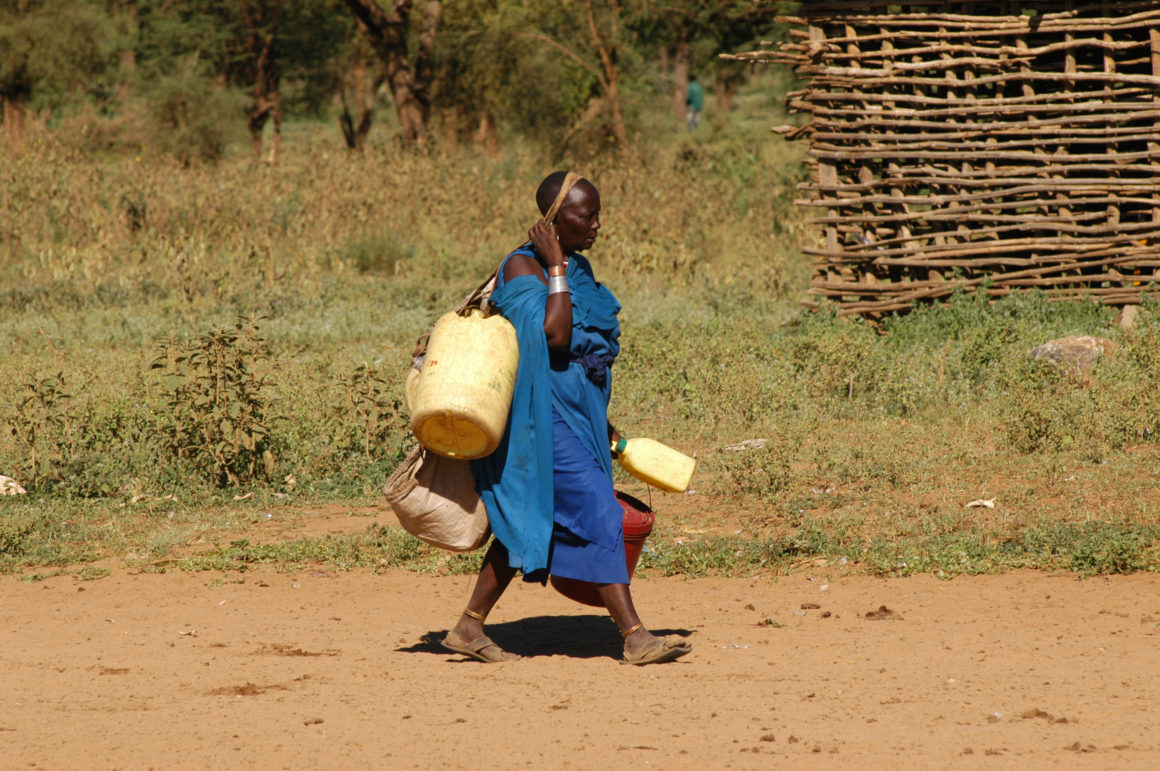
695,96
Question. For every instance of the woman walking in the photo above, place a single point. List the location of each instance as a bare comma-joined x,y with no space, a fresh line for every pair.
548,487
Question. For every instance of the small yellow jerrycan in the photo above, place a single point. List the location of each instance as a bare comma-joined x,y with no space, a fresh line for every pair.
654,463
464,391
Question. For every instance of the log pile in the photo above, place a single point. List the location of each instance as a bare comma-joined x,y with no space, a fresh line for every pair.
989,146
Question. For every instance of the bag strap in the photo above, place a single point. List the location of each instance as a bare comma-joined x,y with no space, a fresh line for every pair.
476,298
479,295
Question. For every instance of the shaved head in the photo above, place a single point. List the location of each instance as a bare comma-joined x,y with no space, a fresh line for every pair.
550,188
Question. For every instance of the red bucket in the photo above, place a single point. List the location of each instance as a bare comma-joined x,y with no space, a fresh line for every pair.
638,523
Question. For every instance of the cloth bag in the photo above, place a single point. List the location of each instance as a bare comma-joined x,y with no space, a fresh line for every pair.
434,497
435,500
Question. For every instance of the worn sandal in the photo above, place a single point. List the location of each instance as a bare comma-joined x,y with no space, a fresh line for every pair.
660,650
481,649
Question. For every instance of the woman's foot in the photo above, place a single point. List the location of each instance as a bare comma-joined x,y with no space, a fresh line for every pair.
480,648
468,639
642,647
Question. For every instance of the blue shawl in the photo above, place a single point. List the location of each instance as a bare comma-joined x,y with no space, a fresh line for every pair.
515,481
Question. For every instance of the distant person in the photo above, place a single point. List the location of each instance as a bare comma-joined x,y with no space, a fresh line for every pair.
694,101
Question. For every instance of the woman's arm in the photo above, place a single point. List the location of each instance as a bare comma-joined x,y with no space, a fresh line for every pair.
558,312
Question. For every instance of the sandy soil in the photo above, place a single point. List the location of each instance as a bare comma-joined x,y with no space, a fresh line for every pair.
343,670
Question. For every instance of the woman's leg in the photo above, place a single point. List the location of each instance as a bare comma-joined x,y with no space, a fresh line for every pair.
494,577
618,599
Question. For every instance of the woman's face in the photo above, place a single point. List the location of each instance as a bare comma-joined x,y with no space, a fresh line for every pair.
578,220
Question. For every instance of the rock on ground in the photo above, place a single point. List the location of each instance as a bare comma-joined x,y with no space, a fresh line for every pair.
1074,355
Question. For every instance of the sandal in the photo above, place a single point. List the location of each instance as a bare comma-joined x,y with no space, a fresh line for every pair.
660,650
481,649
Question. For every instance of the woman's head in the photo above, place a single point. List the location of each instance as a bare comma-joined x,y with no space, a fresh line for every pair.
577,218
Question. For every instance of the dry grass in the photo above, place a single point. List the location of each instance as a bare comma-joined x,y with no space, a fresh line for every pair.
876,443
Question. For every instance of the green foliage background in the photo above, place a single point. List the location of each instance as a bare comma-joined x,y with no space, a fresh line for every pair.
182,78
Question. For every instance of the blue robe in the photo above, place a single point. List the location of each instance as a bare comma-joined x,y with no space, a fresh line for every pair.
516,481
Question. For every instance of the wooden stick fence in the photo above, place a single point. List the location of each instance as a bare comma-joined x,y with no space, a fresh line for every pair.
987,146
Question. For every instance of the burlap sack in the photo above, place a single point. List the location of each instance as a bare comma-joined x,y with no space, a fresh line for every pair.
434,497
435,500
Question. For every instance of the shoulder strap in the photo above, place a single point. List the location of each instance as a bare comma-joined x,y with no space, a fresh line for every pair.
476,298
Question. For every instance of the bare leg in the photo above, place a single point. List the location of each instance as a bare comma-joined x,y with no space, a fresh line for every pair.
618,599
494,577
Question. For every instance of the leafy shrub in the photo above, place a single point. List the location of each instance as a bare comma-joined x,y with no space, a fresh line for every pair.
193,118
115,450
1103,550
14,534
763,473
42,423
372,414
216,416
834,356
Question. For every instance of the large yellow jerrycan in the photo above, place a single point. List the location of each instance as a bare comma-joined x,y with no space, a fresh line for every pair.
464,391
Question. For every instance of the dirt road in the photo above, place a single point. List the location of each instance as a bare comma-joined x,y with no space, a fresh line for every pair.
342,670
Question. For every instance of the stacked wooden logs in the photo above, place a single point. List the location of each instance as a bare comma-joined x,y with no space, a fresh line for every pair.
982,146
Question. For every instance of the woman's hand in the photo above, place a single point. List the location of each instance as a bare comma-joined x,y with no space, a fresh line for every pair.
558,313
547,243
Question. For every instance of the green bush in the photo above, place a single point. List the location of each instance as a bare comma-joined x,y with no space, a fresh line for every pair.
216,414
193,118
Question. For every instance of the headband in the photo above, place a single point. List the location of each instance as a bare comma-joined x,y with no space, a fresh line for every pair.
570,180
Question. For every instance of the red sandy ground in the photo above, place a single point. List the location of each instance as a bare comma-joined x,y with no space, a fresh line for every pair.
334,670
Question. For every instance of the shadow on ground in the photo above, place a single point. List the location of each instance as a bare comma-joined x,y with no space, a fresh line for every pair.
582,637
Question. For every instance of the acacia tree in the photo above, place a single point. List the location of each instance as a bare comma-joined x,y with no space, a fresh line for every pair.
289,45
257,47
596,49
259,26
387,34
360,84
605,41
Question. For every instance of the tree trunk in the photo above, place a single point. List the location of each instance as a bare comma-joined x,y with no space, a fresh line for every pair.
618,128
485,136
355,135
14,121
276,140
723,92
266,101
256,122
425,58
128,63
387,34
608,63
680,80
